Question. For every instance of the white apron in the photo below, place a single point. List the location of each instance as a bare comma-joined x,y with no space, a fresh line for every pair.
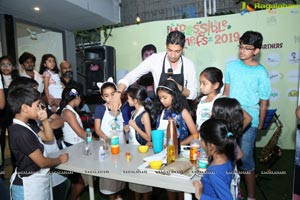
132,137
110,186
55,178
36,186
55,89
163,124
106,122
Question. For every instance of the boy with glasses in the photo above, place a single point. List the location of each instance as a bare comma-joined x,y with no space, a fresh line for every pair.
249,82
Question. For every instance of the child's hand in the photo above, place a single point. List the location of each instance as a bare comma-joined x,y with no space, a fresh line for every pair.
63,157
126,128
107,140
132,123
198,188
41,112
149,144
42,115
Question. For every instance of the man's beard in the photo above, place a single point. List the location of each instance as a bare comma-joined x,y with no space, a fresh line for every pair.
68,74
29,68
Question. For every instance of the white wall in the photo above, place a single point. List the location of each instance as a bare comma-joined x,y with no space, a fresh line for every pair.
48,42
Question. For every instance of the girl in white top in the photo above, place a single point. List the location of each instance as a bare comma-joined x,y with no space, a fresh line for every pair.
73,132
211,82
52,85
104,123
140,129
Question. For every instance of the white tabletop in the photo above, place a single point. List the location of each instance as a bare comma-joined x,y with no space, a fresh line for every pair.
118,168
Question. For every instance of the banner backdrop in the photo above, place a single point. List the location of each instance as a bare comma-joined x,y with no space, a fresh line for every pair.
213,41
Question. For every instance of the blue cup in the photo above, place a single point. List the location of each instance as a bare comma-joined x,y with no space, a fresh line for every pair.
157,140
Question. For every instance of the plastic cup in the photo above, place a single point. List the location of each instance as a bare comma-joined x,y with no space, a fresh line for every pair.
157,140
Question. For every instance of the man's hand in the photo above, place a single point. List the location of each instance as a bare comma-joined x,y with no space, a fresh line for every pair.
115,104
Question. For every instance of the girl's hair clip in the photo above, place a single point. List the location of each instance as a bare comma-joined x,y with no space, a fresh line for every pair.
148,99
109,80
229,134
73,92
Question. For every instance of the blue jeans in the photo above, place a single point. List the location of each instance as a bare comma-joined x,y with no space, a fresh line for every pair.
247,147
17,192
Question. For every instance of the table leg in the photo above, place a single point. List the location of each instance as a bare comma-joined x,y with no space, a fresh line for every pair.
187,196
91,187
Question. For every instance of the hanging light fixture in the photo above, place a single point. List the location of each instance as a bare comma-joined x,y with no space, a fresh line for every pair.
137,19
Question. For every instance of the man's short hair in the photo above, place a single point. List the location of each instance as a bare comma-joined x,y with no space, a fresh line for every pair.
25,56
176,38
148,47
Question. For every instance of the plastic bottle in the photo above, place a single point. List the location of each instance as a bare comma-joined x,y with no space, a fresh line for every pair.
194,146
88,142
114,142
172,135
202,161
101,153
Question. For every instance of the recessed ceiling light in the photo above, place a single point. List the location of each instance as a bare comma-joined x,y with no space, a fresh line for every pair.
36,8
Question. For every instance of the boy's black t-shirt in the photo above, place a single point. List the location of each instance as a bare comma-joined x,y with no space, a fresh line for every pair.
22,143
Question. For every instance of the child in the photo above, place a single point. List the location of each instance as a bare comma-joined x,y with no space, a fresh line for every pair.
249,82
211,82
73,132
172,102
7,74
104,123
140,123
230,109
140,129
52,85
237,119
30,179
218,144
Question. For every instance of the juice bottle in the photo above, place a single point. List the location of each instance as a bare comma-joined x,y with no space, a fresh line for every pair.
114,142
194,145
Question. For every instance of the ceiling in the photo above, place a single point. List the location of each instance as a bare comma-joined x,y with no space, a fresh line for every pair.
69,15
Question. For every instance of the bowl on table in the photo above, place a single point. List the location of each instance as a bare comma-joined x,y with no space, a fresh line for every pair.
143,148
155,164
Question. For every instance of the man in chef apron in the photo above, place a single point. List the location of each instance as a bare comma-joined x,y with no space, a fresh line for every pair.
170,64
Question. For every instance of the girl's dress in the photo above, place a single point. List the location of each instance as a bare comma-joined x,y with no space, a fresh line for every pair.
108,123
69,135
70,138
162,123
136,139
216,182
55,88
